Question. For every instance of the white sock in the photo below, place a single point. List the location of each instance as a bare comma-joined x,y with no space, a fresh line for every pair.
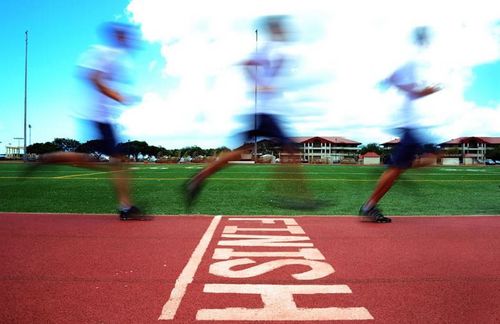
124,207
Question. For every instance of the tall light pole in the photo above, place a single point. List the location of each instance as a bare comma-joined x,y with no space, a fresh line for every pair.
25,92
255,97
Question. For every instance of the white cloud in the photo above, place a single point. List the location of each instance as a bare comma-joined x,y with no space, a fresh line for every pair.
345,49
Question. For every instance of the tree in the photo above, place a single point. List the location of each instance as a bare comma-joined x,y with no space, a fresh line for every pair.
133,147
266,146
42,148
192,151
92,147
493,154
97,147
157,151
221,149
174,152
66,144
372,147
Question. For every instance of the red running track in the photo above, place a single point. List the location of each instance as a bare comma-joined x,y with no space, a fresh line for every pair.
95,269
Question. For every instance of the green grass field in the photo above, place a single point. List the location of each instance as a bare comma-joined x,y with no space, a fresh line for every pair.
253,190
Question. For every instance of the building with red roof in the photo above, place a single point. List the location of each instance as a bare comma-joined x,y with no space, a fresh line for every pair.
471,149
370,158
328,149
336,149
467,150
390,144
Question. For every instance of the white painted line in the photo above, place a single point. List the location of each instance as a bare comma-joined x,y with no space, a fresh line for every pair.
290,229
186,277
266,220
279,304
306,253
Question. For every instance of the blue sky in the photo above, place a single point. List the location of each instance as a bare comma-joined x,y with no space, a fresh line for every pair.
485,85
192,87
59,31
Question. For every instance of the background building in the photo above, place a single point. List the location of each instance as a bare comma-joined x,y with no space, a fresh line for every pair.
326,149
470,150
370,158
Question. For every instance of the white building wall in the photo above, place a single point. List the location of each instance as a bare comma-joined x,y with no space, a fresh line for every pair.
371,160
450,161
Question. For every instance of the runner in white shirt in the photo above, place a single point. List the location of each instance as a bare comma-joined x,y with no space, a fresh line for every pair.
109,64
265,69
409,81
103,69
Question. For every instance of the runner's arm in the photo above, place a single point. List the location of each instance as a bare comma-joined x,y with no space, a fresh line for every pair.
96,77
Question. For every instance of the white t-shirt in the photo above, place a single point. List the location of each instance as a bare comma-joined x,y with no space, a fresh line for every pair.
113,63
416,73
272,63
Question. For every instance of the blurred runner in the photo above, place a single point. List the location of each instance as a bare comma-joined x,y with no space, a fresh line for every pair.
104,67
410,80
265,69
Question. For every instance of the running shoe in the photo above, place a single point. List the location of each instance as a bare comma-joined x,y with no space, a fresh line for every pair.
373,215
133,213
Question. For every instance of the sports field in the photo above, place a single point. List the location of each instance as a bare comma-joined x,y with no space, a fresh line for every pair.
253,190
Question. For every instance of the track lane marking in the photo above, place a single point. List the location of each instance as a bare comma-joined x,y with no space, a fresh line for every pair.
82,174
186,277
278,301
83,177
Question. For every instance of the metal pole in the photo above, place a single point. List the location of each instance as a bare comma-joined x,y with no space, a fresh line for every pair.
25,93
255,97
29,126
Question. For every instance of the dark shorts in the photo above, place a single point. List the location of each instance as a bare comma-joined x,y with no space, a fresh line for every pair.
108,138
266,126
410,146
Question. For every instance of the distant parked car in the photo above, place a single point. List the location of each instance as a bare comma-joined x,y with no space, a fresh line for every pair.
497,162
104,158
491,162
